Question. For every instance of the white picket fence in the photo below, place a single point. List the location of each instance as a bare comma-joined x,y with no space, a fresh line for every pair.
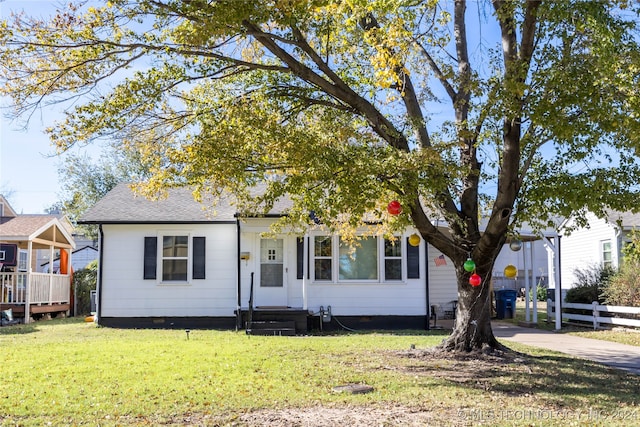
596,316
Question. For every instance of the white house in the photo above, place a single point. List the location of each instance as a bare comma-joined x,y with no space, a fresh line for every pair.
172,263
81,257
599,243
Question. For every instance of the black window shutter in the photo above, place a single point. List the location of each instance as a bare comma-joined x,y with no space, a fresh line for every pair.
199,257
413,261
150,257
300,258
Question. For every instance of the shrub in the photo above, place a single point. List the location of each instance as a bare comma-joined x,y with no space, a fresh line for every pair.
624,287
84,281
590,284
541,294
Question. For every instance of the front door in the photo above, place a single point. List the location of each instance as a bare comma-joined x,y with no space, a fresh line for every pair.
272,290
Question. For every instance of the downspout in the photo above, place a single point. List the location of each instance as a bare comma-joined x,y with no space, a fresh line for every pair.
100,268
426,284
238,266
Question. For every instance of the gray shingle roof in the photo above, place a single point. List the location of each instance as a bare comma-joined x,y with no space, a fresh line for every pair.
122,205
627,220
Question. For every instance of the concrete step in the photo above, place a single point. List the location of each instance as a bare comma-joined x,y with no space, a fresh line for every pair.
277,328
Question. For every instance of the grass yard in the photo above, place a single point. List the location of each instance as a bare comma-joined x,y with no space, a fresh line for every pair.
67,372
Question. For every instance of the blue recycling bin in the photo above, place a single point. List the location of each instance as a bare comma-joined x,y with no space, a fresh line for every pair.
505,303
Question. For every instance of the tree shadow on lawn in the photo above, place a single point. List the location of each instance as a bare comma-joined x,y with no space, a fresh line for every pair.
555,381
19,329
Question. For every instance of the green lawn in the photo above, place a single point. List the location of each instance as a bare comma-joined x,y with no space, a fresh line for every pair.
67,372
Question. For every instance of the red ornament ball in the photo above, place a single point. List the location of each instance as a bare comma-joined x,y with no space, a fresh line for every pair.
394,207
475,280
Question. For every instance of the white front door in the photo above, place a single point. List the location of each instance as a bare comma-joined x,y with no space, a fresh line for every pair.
272,283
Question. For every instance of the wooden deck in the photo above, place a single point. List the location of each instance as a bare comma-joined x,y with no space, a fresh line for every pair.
47,294
18,309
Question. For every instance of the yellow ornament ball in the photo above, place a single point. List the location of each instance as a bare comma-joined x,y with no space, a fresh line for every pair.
414,240
510,271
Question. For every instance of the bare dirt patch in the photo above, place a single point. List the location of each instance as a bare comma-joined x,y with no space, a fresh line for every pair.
357,416
468,367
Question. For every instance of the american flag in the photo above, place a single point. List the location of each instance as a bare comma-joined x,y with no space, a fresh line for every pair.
440,261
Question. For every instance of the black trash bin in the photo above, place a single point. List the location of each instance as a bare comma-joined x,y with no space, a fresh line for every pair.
505,303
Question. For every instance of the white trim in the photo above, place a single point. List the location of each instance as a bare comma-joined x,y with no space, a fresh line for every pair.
160,257
310,258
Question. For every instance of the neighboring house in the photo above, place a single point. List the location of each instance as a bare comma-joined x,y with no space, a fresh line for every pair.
599,243
172,263
81,257
24,290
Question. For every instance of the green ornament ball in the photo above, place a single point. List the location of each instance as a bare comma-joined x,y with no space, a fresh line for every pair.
469,265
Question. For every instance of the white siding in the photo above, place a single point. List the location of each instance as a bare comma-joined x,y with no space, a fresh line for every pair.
582,248
126,294
443,286
346,299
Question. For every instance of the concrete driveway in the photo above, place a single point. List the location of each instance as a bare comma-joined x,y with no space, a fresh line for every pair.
621,356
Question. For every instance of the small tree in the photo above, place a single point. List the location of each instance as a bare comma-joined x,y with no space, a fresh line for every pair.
590,284
624,287
84,281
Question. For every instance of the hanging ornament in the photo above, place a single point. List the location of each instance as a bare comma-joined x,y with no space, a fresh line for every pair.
475,280
394,207
469,265
510,271
414,240
515,245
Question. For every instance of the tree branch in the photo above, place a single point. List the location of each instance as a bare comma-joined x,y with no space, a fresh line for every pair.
379,123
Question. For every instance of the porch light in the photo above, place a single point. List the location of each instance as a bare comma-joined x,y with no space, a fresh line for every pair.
515,245
414,240
510,271
394,207
475,280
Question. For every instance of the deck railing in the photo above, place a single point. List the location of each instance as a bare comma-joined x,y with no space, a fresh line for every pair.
44,288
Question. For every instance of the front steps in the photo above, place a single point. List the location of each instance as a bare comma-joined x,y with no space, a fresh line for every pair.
275,328
284,321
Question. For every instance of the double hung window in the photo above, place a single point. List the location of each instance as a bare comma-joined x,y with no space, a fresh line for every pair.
606,253
180,258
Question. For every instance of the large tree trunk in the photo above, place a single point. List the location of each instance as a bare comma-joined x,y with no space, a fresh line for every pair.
472,330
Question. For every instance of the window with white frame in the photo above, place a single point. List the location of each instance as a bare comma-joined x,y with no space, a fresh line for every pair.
322,258
372,259
178,255
392,259
606,253
175,258
22,260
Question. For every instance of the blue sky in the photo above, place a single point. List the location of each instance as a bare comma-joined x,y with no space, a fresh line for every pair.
28,172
